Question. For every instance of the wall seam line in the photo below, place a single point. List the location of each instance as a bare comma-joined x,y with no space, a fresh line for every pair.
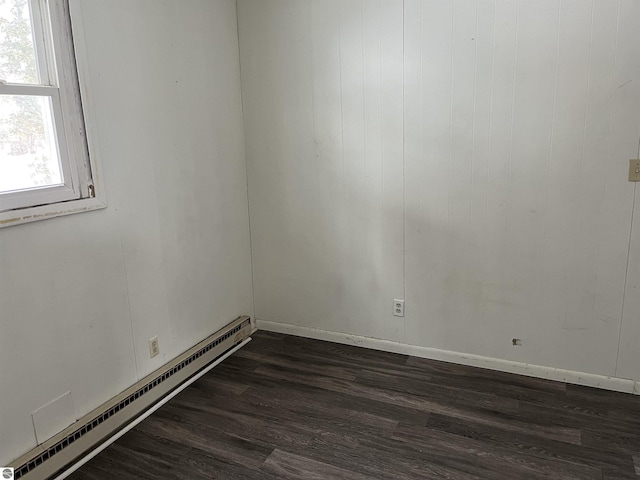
404,176
133,337
626,272
246,172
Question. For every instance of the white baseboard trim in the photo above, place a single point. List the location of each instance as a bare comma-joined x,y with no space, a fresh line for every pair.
569,376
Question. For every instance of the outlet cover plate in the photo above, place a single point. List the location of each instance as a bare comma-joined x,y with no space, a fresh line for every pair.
398,308
154,347
634,170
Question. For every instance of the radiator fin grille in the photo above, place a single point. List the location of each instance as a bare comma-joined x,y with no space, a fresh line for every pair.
81,431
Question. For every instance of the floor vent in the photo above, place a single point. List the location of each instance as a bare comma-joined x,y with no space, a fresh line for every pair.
239,330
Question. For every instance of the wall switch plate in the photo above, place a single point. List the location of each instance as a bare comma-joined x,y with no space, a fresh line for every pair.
634,170
154,347
398,308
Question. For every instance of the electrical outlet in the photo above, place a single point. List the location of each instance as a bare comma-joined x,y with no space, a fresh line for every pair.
516,342
634,170
154,347
398,308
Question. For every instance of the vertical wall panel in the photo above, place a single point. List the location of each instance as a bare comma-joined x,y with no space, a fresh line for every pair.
622,144
481,157
392,136
413,134
533,107
279,27
497,309
460,301
628,365
573,322
590,193
429,218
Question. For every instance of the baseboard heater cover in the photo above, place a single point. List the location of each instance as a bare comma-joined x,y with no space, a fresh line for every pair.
64,448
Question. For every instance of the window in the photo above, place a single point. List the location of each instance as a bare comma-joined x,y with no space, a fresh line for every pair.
44,162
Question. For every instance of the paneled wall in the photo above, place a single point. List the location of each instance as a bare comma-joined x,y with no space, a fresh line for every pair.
81,295
468,156
520,120
322,93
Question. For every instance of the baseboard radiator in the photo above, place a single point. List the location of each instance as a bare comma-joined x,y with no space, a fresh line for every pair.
53,456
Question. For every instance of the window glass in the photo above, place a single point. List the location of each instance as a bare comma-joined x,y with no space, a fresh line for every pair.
28,148
17,52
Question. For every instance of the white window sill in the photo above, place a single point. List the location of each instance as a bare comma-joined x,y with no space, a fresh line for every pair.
44,212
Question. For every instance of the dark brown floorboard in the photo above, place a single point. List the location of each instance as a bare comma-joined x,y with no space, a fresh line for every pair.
291,408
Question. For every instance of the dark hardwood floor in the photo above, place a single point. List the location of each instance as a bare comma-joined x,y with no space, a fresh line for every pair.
291,408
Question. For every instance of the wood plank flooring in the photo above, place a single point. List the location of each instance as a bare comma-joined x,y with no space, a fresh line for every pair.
291,408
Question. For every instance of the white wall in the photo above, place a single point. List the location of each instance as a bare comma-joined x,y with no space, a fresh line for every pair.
81,295
325,178
470,157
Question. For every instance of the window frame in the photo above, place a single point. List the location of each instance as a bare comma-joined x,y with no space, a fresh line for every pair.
59,81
